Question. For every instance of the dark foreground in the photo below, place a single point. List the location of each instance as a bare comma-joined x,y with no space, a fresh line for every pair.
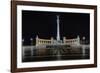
53,54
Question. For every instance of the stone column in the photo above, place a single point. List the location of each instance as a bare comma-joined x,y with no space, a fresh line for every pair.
58,29
64,40
52,40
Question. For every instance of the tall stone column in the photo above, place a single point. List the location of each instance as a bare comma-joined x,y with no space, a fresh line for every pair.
58,29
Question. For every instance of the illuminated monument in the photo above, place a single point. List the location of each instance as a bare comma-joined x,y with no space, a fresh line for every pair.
56,48
58,41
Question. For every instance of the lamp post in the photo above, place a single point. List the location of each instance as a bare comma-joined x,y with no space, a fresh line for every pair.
22,41
83,39
31,39
83,48
23,50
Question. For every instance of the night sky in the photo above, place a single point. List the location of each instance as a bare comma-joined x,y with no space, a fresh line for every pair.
44,25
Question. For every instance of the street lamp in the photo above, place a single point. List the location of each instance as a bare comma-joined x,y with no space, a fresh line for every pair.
83,39
22,41
83,47
31,41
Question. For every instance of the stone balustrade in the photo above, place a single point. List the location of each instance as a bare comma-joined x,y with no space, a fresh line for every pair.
75,41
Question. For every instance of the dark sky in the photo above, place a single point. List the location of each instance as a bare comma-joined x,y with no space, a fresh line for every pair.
44,25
